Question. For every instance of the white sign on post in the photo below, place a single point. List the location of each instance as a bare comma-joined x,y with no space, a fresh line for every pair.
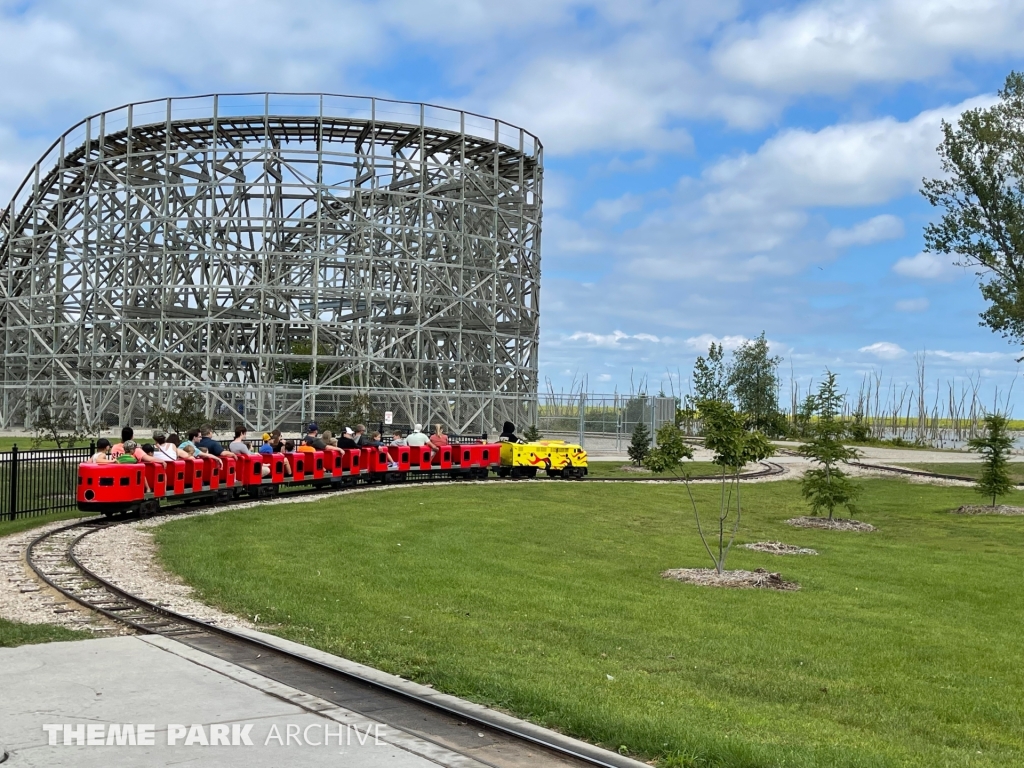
388,417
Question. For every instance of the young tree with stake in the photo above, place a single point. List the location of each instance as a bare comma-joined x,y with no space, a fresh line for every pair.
734,447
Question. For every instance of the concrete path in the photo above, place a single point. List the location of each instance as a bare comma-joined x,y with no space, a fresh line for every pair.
60,700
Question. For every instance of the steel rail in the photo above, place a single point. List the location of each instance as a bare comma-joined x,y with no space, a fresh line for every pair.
83,586
98,594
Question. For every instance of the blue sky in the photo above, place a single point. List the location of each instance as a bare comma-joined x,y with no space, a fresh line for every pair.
712,169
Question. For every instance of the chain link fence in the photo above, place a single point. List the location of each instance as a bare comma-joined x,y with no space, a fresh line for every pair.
604,421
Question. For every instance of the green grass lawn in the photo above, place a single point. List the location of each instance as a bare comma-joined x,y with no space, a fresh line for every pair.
611,469
965,469
25,523
13,634
27,443
902,648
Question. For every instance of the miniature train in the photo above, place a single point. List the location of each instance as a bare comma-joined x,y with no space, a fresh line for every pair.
111,489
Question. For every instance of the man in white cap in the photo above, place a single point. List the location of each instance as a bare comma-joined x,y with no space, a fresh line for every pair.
416,437
346,441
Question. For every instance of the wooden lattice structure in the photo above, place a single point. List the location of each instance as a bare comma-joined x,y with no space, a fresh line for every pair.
278,253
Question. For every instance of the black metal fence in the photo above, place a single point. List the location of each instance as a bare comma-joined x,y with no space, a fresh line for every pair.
39,482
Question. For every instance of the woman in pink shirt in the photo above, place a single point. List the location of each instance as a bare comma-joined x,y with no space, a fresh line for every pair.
439,438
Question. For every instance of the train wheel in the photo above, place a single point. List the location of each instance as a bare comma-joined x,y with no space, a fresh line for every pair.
531,472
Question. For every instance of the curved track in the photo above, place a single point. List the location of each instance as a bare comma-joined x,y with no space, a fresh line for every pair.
913,472
53,558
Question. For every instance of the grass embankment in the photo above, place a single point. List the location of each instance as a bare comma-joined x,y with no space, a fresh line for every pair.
20,524
13,634
964,469
902,648
612,469
27,443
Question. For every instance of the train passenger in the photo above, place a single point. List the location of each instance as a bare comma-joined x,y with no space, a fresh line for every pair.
416,437
238,445
272,444
312,438
173,443
439,438
119,450
374,441
329,439
508,434
346,441
360,437
397,439
165,449
127,454
102,455
127,433
207,442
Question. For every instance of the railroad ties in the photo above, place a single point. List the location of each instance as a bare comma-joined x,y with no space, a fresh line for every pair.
52,558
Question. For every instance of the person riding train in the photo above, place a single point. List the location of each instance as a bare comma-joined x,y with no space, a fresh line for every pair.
508,434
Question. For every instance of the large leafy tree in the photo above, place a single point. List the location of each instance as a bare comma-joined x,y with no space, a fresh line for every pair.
982,194
710,377
754,381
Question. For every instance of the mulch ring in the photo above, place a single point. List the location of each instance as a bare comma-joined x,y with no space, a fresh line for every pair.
778,548
835,524
709,577
985,509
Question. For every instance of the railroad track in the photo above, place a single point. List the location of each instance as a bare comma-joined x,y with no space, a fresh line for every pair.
768,469
491,739
52,556
915,472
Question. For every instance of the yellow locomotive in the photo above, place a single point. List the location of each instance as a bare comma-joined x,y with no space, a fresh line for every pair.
557,457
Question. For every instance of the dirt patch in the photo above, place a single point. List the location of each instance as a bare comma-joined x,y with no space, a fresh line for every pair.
709,577
985,509
778,548
634,468
835,524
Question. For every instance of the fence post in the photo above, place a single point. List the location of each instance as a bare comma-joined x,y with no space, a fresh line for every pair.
583,416
13,505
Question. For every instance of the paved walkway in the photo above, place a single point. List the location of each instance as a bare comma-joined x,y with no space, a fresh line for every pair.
77,690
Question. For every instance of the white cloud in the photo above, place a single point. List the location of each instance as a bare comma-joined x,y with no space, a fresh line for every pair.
833,45
849,164
912,305
927,266
874,230
884,350
702,342
614,340
974,358
610,211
